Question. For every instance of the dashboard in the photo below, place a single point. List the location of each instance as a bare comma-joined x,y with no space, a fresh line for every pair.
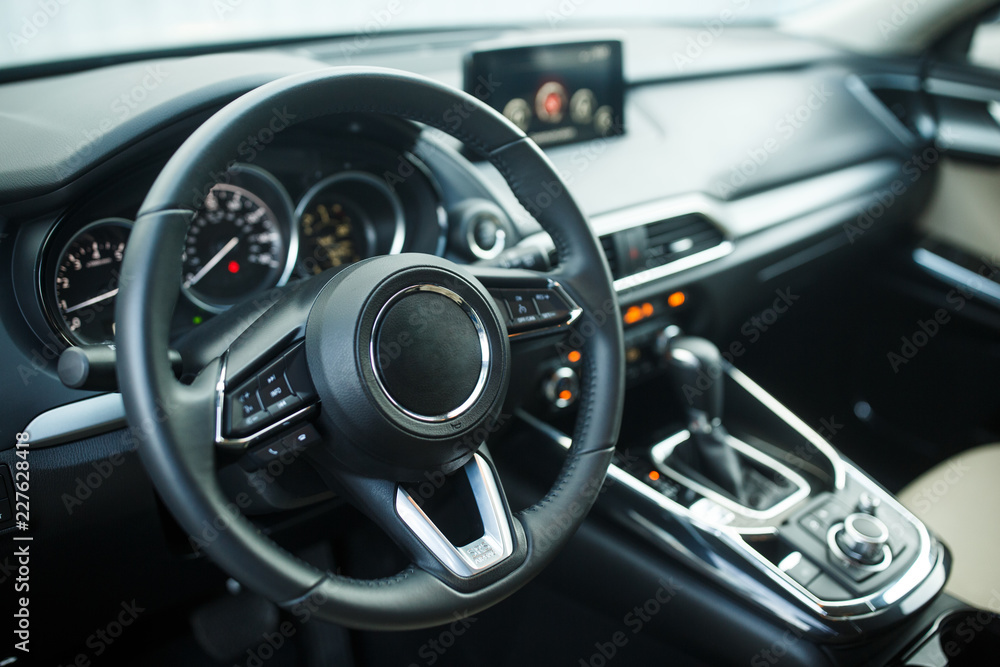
699,230
319,199
693,228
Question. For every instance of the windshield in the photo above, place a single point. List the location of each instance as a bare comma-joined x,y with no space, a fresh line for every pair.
39,31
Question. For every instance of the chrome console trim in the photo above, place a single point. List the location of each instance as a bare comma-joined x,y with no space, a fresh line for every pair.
927,567
670,268
662,450
957,275
790,418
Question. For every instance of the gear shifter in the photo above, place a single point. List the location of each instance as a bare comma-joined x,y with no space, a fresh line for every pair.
696,369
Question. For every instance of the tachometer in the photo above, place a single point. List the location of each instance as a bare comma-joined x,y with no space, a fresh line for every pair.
334,232
347,217
238,243
86,281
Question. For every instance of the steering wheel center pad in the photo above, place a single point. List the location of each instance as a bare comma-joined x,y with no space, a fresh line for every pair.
400,332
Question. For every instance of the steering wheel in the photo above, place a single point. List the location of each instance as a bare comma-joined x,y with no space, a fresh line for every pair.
395,368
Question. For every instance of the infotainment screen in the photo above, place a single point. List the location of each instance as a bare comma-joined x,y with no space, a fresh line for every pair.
556,93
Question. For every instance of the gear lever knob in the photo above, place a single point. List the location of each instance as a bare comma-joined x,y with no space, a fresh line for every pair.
696,365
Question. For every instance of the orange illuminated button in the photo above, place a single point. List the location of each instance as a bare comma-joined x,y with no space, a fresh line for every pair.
653,475
676,299
565,395
638,313
574,356
633,314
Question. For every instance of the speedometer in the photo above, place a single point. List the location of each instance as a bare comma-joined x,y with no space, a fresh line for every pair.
86,281
237,243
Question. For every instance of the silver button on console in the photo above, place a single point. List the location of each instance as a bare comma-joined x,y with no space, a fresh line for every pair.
863,538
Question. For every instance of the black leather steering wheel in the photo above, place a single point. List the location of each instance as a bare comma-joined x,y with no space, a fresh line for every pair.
381,420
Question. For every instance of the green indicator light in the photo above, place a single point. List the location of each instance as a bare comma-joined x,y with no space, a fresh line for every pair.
197,319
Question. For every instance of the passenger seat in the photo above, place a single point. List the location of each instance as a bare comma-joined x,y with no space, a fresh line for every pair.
959,500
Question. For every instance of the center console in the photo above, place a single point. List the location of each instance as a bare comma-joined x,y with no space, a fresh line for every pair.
754,498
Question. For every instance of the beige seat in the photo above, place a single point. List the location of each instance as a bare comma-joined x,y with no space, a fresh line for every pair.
959,500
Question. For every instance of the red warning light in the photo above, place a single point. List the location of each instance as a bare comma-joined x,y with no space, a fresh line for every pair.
234,266
553,104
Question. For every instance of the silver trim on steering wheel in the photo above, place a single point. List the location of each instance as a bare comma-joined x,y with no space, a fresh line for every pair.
494,546
484,346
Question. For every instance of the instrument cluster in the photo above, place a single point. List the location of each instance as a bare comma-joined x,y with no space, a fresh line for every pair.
251,234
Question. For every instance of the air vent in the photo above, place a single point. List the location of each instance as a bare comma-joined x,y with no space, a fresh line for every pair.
671,239
635,250
608,244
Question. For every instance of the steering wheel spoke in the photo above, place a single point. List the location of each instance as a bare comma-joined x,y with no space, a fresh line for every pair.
263,387
456,527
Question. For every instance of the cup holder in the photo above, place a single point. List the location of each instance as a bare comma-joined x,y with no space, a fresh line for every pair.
959,638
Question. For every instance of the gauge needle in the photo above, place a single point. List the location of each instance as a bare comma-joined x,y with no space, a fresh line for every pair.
91,302
212,262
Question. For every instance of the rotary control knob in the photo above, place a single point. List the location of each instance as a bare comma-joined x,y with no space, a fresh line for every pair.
480,229
862,538
561,387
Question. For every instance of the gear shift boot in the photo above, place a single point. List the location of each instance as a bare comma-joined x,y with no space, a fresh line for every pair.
761,487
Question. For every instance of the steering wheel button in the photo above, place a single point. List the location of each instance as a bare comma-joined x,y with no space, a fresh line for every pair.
247,424
521,305
300,438
284,406
815,526
266,453
244,408
550,306
297,374
273,385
